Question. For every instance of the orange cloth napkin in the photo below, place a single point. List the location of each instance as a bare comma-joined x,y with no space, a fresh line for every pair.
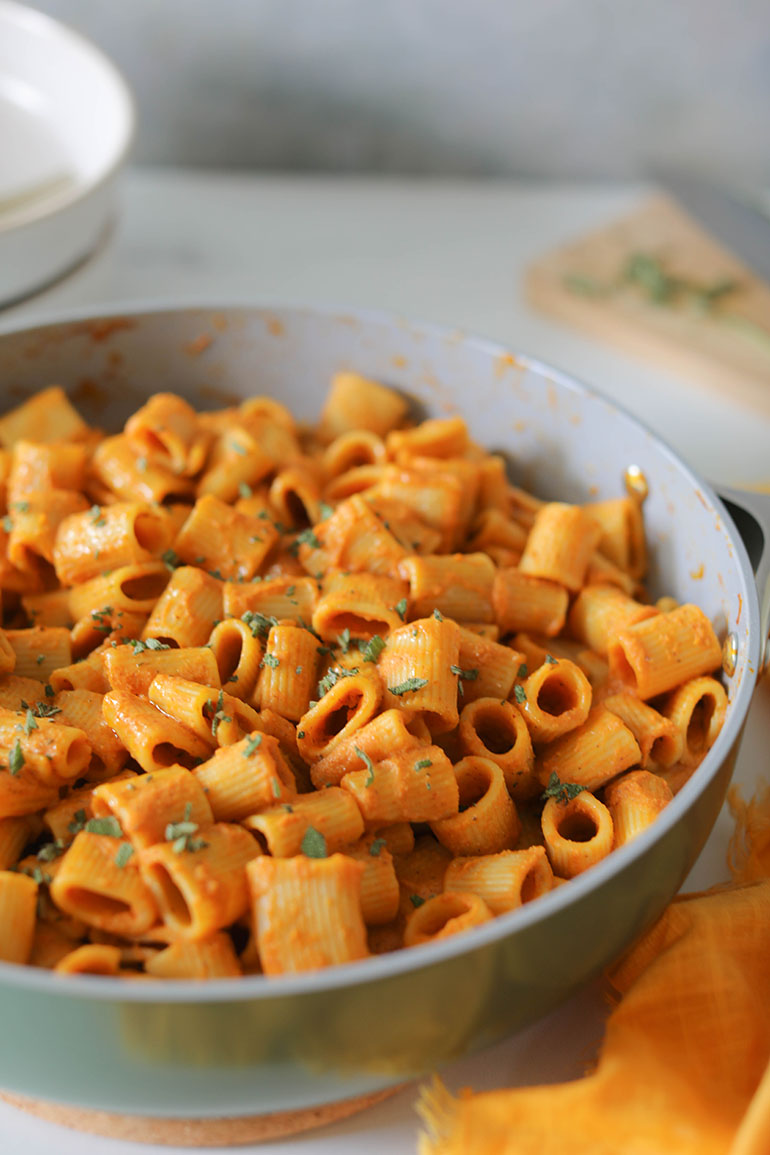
684,1068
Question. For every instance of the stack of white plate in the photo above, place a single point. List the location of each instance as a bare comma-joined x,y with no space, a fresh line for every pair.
66,124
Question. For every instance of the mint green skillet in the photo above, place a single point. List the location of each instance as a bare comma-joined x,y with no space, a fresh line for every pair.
257,1045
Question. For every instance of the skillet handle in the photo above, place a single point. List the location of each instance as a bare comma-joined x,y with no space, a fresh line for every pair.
751,514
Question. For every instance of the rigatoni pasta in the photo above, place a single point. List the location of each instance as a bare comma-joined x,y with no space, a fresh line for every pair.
275,697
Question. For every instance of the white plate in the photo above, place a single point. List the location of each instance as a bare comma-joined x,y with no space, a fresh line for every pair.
66,123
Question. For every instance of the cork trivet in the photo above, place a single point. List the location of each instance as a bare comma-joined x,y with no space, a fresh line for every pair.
226,1132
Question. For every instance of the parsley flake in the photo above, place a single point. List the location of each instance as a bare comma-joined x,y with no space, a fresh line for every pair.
562,791
550,659
29,723
125,851
108,825
438,615
416,900
400,608
7,523
171,559
313,843
271,661
245,490
95,513
423,764
519,694
371,650
343,640
376,847
408,686
468,675
16,758
253,743
369,765
523,671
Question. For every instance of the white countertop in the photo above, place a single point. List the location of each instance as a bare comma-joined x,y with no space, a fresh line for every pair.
452,252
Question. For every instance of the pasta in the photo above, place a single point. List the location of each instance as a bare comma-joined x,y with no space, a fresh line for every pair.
275,698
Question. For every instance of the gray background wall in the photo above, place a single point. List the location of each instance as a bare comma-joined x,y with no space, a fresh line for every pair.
576,88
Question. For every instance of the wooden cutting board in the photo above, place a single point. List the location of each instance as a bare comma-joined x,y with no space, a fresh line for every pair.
649,283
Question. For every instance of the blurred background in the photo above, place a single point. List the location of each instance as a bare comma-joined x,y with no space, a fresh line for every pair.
556,88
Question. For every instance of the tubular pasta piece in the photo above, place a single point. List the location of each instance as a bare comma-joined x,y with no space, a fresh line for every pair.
659,654
18,902
634,801
504,881
487,821
201,888
444,915
697,710
332,813
247,777
413,785
599,611
557,698
593,753
458,585
150,736
523,602
109,537
347,706
496,730
560,545
91,886
307,912
210,958
145,804
417,664
230,544
577,833
186,610
383,735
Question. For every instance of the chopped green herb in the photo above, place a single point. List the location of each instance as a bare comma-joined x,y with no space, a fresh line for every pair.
400,608
50,850
343,640
141,464
50,693
331,677
95,513
125,851
271,661
313,843
16,758
368,763
259,624
45,709
253,743
245,490
7,523
79,819
238,448
307,537
275,786
408,686
108,825
288,807
371,650
423,764
171,559
29,723
550,659
416,900
438,615
562,791
324,511
466,675
290,590
140,647
523,672
219,714
22,506
376,847
300,733
519,694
